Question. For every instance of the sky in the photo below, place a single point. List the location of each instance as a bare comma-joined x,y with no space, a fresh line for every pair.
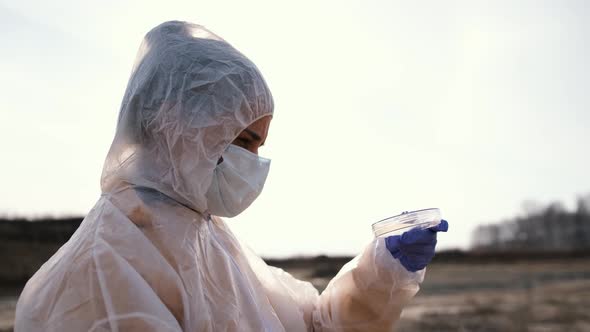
381,107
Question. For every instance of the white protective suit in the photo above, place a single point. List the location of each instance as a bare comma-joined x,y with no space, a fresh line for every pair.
148,256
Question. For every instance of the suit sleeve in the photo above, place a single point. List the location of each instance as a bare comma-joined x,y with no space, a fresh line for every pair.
368,294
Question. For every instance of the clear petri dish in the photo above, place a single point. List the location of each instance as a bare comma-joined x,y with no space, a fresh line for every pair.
404,222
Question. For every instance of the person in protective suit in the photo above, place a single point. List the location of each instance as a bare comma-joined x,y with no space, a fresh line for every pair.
153,254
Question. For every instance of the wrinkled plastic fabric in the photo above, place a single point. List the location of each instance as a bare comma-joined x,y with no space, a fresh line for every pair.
149,257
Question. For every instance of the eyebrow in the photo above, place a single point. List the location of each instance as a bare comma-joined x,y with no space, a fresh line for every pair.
253,134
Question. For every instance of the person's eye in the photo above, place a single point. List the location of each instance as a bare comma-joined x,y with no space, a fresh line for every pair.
242,142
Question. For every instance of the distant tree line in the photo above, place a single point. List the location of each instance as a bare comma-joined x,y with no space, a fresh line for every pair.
541,228
57,230
26,244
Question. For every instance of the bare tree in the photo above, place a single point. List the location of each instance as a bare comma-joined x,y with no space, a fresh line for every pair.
540,228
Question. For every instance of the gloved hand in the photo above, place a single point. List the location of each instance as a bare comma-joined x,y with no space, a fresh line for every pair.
415,248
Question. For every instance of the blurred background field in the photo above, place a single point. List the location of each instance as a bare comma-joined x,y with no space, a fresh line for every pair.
488,292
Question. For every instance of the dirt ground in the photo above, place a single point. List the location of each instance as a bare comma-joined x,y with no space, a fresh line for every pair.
539,296
8,298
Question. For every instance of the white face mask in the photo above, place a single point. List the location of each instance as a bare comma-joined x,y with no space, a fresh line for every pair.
237,182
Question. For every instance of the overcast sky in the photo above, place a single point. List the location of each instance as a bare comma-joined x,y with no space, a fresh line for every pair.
381,106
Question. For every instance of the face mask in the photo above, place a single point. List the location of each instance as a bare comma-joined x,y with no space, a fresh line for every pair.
237,181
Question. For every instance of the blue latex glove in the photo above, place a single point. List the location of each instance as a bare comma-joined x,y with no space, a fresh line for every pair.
415,248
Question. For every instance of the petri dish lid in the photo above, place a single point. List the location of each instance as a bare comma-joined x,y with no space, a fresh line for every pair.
424,218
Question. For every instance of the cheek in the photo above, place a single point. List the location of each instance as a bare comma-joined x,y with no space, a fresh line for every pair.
253,148
248,146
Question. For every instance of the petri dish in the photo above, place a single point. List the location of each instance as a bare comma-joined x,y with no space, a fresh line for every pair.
395,225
